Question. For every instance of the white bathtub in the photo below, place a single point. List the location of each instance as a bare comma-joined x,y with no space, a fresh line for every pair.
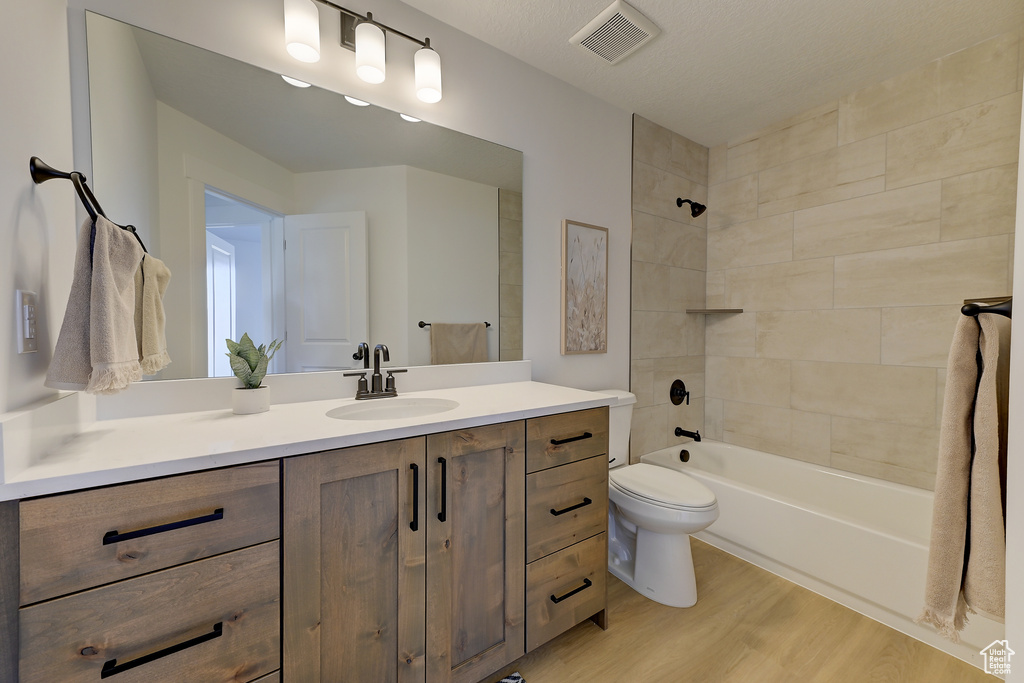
860,541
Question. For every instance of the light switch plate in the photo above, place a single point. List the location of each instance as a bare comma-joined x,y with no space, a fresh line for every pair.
27,313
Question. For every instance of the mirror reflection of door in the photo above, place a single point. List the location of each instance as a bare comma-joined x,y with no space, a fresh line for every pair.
326,289
240,294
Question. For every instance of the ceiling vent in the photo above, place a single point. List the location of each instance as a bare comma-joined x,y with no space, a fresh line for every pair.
616,33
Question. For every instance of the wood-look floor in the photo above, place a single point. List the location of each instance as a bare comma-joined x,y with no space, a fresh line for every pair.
748,626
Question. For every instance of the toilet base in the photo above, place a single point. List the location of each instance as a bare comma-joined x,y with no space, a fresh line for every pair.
658,566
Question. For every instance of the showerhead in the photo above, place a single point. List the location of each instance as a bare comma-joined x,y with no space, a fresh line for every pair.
695,208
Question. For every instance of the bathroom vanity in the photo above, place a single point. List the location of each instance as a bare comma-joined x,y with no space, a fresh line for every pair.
438,548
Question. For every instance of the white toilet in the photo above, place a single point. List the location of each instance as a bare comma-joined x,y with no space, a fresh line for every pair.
651,513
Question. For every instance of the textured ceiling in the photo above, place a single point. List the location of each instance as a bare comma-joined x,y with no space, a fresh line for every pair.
724,68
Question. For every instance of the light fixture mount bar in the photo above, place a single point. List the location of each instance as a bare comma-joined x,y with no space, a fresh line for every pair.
349,19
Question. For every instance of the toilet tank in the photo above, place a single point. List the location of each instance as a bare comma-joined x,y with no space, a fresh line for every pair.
620,415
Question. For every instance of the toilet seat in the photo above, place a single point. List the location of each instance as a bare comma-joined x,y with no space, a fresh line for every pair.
662,487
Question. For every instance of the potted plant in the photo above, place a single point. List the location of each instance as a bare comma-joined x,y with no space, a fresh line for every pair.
249,363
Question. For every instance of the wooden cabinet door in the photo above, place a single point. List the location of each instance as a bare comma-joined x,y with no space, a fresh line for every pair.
354,575
475,551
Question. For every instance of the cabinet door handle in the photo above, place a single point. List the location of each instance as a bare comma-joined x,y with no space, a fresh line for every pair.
114,537
559,442
443,514
587,583
415,523
111,667
577,506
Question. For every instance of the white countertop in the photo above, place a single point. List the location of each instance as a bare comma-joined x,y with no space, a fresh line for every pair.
128,449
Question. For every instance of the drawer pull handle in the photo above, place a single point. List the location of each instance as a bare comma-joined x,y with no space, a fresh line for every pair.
587,583
559,442
577,506
114,537
415,523
443,514
111,667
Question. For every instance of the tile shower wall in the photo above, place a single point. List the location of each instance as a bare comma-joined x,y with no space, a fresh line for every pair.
669,261
510,274
850,236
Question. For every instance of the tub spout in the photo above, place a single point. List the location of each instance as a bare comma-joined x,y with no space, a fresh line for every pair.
695,435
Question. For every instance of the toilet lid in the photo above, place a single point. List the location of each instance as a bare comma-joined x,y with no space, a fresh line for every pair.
663,486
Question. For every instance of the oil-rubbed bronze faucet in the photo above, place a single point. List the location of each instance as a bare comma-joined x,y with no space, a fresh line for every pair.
378,387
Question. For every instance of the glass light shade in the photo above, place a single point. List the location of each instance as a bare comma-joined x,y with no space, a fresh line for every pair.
294,81
428,75
302,30
358,103
410,119
370,52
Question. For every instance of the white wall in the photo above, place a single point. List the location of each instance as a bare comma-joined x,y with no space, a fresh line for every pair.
38,224
576,148
453,257
123,114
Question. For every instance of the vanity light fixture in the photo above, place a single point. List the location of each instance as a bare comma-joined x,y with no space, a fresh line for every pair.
302,30
367,37
410,119
294,81
358,103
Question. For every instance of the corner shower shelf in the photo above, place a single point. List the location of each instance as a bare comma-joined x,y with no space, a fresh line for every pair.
712,311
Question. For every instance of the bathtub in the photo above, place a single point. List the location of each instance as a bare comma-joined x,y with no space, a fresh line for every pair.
860,541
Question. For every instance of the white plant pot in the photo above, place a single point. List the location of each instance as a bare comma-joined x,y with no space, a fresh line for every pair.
249,401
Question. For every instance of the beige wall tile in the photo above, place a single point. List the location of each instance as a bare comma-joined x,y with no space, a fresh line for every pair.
510,205
802,139
730,335
977,137
879,470
655,192
869,392
690,369
930,274
750,380
798,285
763,240
693,333
686,289
717,296
982,72
940,393
794,434
733,201
641,381
805,115
510,331
716,164
689,417
657,334
510,235
899,101
713,415
980,203
688,159
912,448
510,298
897,218
841,336
647,431
670,243
651,291
918,335
651,142
510,268
742,159
841,173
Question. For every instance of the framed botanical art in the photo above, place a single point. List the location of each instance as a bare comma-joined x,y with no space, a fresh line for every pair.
584,288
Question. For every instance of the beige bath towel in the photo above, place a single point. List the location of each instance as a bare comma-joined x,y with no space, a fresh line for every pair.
151,281
966,560
96,349
458,343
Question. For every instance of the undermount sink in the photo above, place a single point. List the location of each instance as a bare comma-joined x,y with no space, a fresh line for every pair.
392,408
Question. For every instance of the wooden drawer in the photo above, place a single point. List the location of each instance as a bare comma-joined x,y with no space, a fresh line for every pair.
552,606
565,505
226,609
66,542
568,437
